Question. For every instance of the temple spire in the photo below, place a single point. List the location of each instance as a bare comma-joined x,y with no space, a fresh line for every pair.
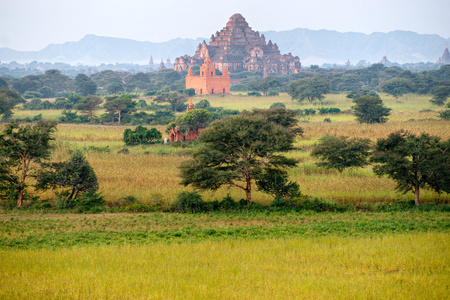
190,106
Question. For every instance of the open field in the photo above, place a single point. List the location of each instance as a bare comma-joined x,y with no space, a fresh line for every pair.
150,170
401,266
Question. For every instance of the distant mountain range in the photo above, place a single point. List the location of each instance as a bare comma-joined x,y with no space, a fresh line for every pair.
312,46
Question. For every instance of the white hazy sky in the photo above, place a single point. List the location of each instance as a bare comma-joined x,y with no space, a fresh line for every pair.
33,24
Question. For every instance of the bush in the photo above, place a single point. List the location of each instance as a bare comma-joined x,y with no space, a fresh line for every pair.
89,202
141,135
124,201
189,202
254,94
277,104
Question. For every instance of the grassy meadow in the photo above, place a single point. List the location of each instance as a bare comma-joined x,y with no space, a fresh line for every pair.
150,170
246,254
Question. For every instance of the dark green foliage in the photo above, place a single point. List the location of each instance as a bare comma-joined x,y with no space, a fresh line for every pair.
33,104
23,150
309,111
440,95
264,85
239,148
141,135
277,104
329,110
75,174
203,104
119,106
84,85
286,118
88,104
397,87
257,94
359,93
8,100
46,92
115,87
32,94
445,114
275,182
70,117
190,92
368,109
414,162
312,88
176,100
190,202
340,152
193,120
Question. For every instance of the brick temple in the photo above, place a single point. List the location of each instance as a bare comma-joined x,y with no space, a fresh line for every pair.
208,83
238,48
176,136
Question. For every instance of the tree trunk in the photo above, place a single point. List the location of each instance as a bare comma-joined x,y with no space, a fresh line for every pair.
119,116
248,191
416,195
20,198
71,194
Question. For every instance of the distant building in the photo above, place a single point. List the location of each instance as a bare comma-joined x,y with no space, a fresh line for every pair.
385,61
208,83
237,47
161,66
445,58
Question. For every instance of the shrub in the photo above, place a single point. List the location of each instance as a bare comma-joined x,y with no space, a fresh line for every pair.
277,104
189,202
89,202
254,94
124,201
228,203
141,135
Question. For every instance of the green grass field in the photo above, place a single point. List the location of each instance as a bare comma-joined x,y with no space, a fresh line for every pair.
150,170
245,254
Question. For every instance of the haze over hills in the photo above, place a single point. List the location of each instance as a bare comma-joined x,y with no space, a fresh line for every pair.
312,46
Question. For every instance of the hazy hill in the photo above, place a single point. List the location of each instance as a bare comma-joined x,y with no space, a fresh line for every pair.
312,46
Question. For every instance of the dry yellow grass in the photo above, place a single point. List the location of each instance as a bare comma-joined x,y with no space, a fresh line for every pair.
408,266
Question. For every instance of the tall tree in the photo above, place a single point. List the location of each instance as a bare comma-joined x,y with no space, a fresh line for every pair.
8,99
23,148
397,87
236,151
368,109
340,152
121,106
311,88
414,162
88,104
84,85
440,95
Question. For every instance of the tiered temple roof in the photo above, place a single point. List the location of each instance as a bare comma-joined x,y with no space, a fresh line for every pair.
445,58
237,47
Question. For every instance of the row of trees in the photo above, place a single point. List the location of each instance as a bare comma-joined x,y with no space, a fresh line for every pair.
25,151
249,147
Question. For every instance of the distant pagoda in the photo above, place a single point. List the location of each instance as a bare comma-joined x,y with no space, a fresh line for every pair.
385,61
445,58
237,47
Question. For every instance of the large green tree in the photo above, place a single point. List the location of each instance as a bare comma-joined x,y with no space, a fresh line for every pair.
414,162
23,149
236,151
368,109
8,100
311,88
397,87
121,105
340,152
193,120
440,94
265,85
75,174
84,85
88,104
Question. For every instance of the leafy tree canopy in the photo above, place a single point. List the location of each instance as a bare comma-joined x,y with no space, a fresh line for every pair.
368,109
311,88
414,162
236,151
340,152
23,149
